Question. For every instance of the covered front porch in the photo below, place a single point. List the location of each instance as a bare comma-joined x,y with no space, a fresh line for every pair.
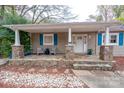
75,38
69,43
57,42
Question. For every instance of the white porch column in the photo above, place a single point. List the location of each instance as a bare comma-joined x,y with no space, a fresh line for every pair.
69,51
106,51
107,36
69,36
17,38
17,48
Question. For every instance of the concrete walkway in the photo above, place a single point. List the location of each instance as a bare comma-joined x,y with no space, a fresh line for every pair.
3,61
101,79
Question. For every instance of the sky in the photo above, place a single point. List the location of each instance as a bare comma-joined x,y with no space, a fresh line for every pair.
83,11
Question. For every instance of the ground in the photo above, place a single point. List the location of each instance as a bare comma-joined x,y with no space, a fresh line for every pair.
18,76
101,79
13,76
104,79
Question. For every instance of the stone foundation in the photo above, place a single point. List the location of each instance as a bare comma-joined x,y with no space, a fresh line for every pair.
106,53
42,63
17,51
63,63
69,53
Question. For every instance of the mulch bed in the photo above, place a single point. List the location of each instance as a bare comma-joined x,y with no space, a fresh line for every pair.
119,63
36,77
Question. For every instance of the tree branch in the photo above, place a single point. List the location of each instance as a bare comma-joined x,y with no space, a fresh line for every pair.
27,11
40,14
22,10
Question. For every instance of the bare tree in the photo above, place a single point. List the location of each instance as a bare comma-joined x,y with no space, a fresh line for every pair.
46,13
103,13
106,11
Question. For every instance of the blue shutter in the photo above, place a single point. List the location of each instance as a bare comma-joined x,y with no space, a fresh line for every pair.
121,38
55,39
99,39
41,39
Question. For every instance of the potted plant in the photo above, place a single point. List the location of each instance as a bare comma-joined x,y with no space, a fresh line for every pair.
90,51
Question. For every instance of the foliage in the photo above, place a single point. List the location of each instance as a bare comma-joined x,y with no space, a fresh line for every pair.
6,40
121,19
12,19
25,40
7,9
7,36
118,10
120,13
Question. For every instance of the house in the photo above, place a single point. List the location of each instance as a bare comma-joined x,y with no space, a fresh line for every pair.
78,36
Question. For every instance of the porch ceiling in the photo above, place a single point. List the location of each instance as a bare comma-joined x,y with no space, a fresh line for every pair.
63,27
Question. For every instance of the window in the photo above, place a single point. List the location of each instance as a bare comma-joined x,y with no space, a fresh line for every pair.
113,39
48,39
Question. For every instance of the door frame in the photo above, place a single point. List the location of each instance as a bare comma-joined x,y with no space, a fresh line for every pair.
84,46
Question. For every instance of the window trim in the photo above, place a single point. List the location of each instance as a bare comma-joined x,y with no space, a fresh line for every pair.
52,43
117,34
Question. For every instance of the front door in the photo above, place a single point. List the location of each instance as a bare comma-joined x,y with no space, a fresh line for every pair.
80,43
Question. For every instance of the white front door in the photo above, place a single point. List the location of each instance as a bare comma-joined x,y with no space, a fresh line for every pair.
80,44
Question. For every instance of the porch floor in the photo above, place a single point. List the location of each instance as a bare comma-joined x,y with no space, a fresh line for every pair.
45,57
91,58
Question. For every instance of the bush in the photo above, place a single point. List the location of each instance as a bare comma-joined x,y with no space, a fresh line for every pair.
7,36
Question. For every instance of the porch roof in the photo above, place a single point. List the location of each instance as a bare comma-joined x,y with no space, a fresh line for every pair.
63,27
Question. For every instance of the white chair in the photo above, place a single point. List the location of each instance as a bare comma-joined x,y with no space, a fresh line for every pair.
40,51
53,50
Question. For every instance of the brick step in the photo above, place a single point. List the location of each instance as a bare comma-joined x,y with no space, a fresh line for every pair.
93,66
95,62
